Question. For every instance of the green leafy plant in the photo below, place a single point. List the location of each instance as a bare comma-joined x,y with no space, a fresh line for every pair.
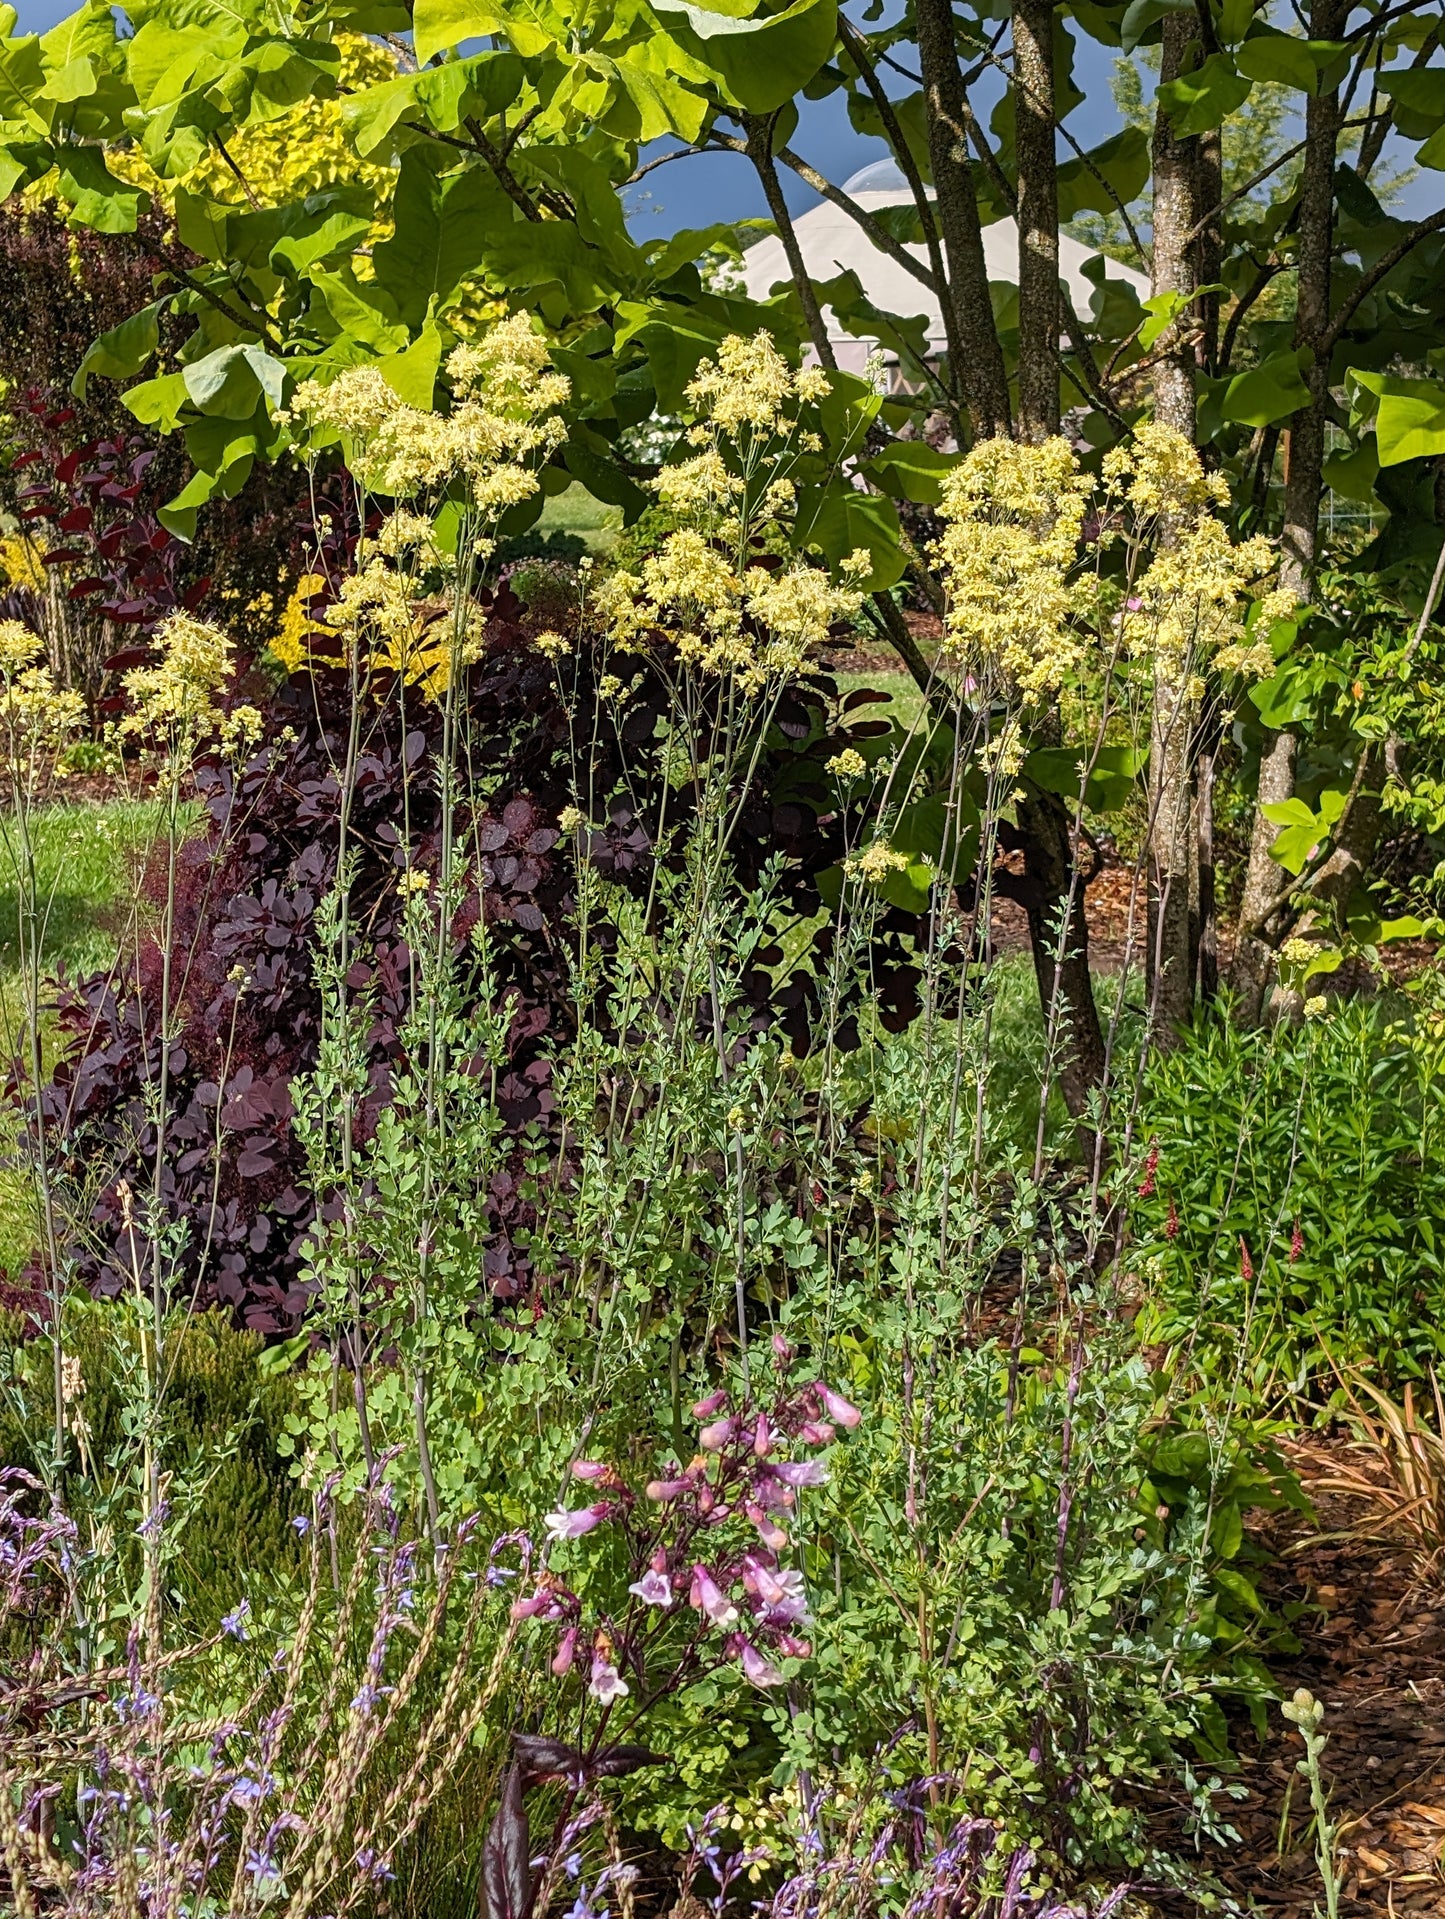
1291,1217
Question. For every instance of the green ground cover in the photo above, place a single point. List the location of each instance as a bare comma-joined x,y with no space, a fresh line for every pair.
87,856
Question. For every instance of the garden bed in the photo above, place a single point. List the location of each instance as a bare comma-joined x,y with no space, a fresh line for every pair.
1373,1650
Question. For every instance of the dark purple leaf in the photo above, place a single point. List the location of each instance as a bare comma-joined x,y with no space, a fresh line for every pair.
506,1888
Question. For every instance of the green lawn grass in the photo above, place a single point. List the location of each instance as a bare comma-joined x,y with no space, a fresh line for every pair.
905,701
87,856
575,511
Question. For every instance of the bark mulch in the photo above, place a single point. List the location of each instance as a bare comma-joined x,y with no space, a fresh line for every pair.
1373,1649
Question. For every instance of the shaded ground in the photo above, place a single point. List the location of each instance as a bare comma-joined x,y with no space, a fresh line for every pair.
1374,1651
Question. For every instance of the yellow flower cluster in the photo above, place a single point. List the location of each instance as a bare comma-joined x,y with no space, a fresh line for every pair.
1160,474
875,863
1187,611
754,622
1012,518
849,764
35,713
503,421
720,589
175,700
1193,600
748,388
383,619
1013,515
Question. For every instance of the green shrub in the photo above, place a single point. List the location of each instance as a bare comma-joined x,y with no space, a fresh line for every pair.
1294,1212
219,1420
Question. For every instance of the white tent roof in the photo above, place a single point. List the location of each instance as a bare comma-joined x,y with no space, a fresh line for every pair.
832,242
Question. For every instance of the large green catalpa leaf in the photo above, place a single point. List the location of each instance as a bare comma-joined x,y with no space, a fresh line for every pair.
485,84
1201,100
94,194
530,26
1286,60
1409,416
1121,162
122,352
1271,391
838,518
1418,94
444,227
763,61
1110,774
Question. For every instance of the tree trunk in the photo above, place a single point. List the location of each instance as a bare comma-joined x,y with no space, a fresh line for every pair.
1038,220
982,378
759,131
1304,481
1053,890
1254,953
1173,845
1209,263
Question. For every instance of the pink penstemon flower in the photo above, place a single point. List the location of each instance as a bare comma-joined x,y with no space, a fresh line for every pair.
565,1524
771,1534
737,1475
757,1670
837,1408
606,1683
713,1438
566,1653
798,1472
653,1589
782,1592
709,1598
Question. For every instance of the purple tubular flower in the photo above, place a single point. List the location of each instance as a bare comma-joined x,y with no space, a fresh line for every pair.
782,1593
816,1432
713,1438
155,1519
607,1683
771,1534
709,1598
762,1437
566,1652
799,1472
838,1408
782,1351
665,1489
757,1670
705,1408
589,1469
653,1589
563,1524
535,1603
234,1623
